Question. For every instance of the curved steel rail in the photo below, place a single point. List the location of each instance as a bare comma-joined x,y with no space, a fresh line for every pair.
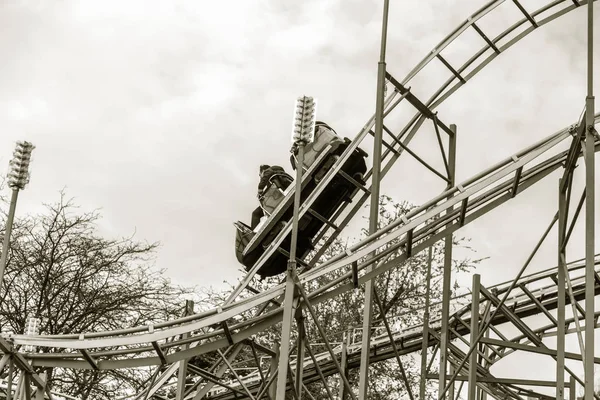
483,193
409,339
554,6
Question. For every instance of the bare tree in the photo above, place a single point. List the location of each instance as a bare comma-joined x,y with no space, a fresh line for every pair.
63,272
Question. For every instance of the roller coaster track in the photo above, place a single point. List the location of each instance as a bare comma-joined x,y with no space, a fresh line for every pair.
459,205
246,313
535,294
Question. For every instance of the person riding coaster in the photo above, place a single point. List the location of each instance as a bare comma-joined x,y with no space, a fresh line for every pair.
270,177
326,136
276,201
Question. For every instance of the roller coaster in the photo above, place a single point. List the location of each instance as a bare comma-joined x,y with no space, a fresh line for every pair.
467,342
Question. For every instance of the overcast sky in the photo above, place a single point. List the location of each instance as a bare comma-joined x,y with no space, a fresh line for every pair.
159,112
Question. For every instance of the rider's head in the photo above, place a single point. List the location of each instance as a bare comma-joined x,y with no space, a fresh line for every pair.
262,169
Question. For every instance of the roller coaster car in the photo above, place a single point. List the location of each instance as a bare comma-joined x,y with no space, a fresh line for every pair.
319,157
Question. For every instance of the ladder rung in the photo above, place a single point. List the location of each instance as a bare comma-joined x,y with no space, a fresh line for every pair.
287,254
516,181
159,352
256,291
323,219
87,356
451,68
252,289
529,17
354,182
355,274
463,211
418,104
409,243
488,41
227,332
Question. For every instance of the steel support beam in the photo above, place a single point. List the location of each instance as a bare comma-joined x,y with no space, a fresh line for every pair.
590,204
9,379
346,341
374,209
539,305
447,275
272,388
514,283
476,289
425,343
560,311
183,364
321,376
524,328
286,329
290,287
300,352
394,347
512,381
232,353
214,379
313,315
257,361
235,374
537,350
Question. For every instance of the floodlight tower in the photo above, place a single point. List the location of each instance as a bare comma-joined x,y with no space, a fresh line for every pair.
32,327
18,177
303,134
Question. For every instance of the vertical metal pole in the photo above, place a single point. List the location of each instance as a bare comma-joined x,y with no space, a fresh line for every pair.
560,333
9,379
182,373
19,387
300,352
374,209
486,352
446,284
7,232
286,329
474,334
344,362
451,390
27,387
272,369
348,341
297,195
290,287
425,343
572,389
39,393
589,214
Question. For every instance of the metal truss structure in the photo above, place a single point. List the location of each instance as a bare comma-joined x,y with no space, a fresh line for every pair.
466,343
